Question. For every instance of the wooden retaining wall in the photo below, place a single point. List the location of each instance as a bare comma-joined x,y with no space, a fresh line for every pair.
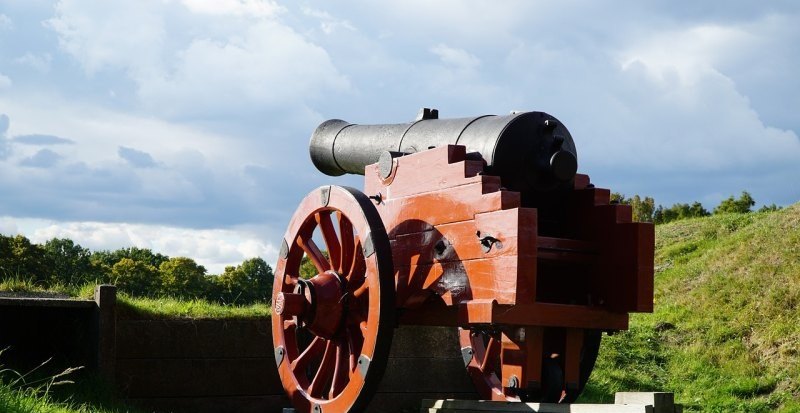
218,366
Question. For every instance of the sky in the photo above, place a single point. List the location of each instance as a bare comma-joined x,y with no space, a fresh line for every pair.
183,125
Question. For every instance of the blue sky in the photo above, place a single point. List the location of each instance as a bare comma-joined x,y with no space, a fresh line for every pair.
183,125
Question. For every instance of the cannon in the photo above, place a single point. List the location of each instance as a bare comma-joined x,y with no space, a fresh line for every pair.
482,224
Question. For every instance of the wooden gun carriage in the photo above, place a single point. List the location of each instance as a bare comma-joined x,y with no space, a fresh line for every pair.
478,223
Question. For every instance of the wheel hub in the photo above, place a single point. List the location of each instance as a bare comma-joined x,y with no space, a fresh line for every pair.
317,304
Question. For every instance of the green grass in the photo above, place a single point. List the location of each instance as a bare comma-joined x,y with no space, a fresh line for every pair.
146,308
166,307
68,390
725,334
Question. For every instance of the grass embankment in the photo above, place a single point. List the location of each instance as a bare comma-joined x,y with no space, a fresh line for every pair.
725,334
165,307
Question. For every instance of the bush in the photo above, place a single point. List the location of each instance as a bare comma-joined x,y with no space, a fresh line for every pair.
182,277
250,282
731,205
135,277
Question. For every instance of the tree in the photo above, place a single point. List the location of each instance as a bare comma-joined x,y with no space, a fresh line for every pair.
260,277
143,255
182,277
135,277
679,211
642,209
769,208
21,258
70,263
740,205
307,268
247,283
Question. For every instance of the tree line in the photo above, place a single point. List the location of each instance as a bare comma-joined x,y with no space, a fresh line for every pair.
139,272
645,210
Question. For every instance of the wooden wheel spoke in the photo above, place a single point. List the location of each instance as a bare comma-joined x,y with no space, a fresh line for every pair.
490,356
359,292
289,326
359,265
341,371
302,361
331,238
314,254
325,371
355,339
347,243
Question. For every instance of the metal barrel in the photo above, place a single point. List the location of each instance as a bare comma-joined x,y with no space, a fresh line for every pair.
528,150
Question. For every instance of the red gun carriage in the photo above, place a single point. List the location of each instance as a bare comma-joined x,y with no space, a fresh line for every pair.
478,223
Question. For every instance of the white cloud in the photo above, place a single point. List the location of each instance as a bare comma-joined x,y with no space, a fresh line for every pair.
215,249
202,58
268,66
128,34
5,22
459,58
8,226
4,81
688,52
39,62
239,8
703,121
328,23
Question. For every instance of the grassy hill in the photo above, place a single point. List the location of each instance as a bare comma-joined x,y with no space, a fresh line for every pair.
725,335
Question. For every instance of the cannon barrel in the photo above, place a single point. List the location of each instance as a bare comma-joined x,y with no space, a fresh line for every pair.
528,150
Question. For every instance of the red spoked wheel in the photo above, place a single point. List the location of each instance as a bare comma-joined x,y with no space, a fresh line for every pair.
332,332
481,350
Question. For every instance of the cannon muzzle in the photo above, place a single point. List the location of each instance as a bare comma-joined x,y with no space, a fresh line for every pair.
528,150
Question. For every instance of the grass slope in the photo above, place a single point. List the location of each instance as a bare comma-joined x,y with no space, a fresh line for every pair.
725,334
167,307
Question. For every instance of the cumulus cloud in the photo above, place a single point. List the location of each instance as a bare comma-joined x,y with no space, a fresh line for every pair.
127,34
39,139
136,158
239,63
44,158
4,81
214,249
270,66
